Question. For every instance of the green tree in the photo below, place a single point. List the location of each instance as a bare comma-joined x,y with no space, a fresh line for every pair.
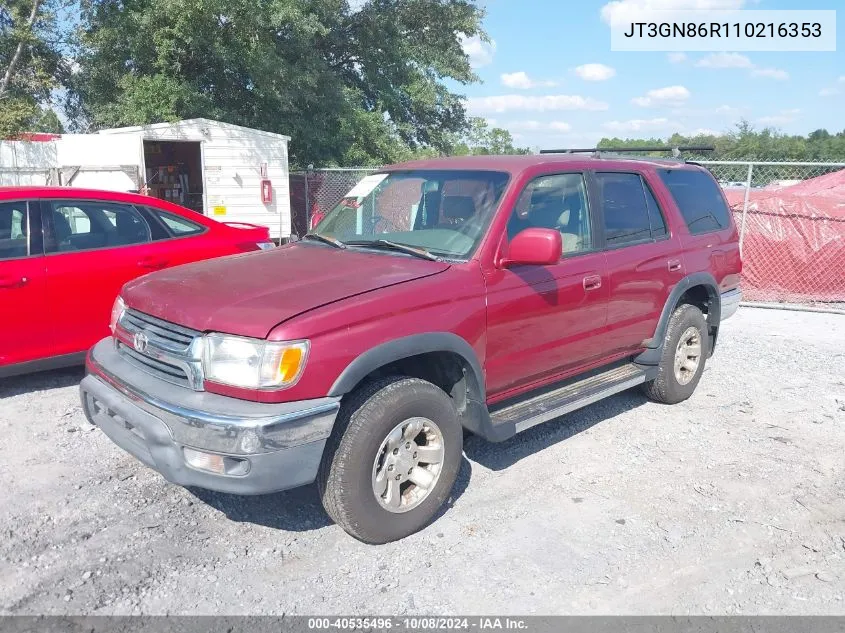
481,139
351,86
31,66
745,142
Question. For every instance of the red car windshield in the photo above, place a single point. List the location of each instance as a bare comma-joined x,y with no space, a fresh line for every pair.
442,212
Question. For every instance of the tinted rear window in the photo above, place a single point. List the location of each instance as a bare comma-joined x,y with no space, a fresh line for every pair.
699,199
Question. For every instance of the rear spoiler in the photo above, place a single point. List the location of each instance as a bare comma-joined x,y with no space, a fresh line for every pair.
244,225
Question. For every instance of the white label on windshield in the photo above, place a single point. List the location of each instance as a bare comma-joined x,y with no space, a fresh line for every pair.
365,186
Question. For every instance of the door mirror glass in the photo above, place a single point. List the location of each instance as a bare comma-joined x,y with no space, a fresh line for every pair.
534,247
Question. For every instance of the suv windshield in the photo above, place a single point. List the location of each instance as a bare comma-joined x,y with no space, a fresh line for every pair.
442,212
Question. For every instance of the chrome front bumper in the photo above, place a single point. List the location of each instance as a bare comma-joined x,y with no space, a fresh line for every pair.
266,447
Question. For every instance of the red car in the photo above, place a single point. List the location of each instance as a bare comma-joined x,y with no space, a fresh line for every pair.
65,253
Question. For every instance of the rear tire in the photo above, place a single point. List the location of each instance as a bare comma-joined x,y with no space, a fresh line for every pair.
372,476
685,350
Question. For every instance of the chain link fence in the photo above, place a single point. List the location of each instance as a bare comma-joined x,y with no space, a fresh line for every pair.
791,218
318,191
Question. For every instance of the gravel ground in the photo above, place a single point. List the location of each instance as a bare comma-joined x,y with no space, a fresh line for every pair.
731,502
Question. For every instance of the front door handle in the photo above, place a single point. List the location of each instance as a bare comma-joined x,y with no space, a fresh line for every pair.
152,262
592,282
674,265
6,282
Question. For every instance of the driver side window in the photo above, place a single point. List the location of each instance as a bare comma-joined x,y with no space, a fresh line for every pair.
556,202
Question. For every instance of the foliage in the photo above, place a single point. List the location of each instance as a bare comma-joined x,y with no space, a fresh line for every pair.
351,85
746,143
31,65
481,139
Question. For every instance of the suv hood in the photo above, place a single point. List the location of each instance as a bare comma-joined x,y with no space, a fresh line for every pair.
250,294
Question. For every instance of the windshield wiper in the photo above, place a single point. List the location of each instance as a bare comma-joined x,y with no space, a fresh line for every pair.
325,240
396,246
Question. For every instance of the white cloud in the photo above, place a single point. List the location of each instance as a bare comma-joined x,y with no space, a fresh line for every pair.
725,60
782,118
776,119
524,125
532,125
677,58
521,80
632,10
735,60
595,72
517,80
480,53
641,125
505,103
772,73
834,89
729,110
704,131
673,96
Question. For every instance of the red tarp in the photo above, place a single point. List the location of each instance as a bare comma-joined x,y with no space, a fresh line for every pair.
794,243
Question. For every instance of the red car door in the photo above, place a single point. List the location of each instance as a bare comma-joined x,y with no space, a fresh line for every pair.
644,260
180,239
26,324
544,321
93,248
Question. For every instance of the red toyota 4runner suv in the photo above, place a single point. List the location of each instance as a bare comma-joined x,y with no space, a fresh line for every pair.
477,294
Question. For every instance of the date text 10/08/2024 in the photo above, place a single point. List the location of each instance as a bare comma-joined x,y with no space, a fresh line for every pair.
417,623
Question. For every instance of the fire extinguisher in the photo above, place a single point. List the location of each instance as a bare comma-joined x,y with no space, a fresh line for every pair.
266,191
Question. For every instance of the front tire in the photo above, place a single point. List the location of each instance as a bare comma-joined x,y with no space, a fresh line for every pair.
392,459
685,350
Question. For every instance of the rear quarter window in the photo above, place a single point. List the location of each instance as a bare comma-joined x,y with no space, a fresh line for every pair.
178,226
699,199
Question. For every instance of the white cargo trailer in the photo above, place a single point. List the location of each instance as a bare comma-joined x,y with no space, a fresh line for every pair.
228,172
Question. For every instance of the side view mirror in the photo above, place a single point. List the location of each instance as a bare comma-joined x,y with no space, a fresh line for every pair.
534,247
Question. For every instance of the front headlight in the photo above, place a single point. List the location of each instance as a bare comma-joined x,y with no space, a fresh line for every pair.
253,363
117,311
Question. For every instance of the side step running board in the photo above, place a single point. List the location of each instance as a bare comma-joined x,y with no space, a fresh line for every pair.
552,404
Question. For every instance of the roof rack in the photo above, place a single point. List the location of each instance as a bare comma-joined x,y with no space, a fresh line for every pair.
599,152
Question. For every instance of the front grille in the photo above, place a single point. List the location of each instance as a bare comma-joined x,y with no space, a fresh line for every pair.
158,330
154,366
169,353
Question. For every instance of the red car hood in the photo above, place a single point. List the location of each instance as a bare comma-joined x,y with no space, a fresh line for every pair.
252,293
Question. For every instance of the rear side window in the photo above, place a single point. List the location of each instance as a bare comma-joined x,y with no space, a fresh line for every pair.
627,218
13,230
177,225
699,199
80,225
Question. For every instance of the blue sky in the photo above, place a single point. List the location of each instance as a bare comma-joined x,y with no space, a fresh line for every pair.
550,77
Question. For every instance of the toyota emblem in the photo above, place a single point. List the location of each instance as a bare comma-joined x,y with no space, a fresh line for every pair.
140,342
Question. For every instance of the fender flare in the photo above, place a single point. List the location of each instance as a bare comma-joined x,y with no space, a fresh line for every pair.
654,345
406,347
